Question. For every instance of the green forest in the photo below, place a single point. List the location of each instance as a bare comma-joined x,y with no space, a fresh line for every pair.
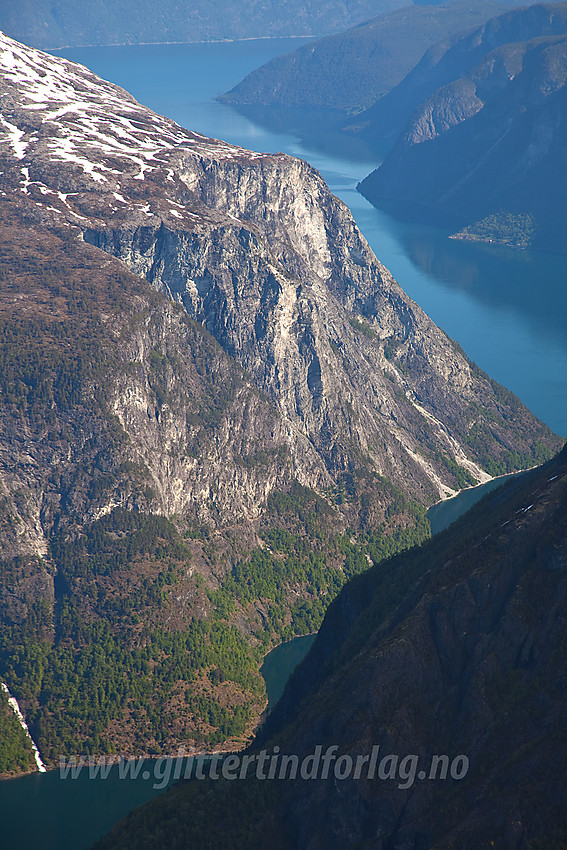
16,755
101,667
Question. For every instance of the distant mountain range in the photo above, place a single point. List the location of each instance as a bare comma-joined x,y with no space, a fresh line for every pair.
485,143
216,406
478,123
351,70
450,654
62,23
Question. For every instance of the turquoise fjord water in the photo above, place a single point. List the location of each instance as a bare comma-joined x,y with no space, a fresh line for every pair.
443,514
507,309
57,812
280,663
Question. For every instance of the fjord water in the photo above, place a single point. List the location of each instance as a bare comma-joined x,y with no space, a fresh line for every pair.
280,663
508,309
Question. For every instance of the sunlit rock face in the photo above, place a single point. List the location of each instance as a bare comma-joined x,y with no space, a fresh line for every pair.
257,249
188,329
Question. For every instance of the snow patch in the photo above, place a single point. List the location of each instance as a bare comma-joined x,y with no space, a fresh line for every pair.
15,139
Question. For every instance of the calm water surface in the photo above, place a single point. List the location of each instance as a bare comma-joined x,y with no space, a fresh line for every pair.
507,309
444,513
280,663
47,811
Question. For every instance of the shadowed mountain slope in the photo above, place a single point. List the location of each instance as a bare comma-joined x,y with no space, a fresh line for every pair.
485,147
456,648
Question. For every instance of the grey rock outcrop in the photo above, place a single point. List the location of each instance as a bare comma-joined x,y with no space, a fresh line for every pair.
257,249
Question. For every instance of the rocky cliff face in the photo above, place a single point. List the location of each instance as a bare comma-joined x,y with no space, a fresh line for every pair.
485,143
277,372
257,248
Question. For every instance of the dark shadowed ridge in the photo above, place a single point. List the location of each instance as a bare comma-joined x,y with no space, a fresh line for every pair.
454,648
483,138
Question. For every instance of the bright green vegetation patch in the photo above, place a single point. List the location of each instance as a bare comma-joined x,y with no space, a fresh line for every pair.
484,430
462,475
102,668
363,328
510,461
304,563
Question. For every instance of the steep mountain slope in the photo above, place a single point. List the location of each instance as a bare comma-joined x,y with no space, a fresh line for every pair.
57,23
167,515
486,146
350,71
257,248
117,412
456,649
453,57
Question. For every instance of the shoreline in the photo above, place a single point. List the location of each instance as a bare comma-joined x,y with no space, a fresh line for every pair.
115,759
483,484
159,43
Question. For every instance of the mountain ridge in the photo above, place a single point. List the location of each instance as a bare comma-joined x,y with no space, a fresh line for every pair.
50,25
190,474
484,147
463,655
351,70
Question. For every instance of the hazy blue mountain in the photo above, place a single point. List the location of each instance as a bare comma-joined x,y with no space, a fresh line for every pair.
451,58
485,147
57,23
351,70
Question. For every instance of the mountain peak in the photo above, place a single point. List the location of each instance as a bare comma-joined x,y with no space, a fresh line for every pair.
179,475
256,247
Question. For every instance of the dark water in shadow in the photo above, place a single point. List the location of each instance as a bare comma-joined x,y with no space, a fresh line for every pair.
44,812
444,513
280,663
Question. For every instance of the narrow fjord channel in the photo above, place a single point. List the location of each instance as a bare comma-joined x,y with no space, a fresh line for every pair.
508,310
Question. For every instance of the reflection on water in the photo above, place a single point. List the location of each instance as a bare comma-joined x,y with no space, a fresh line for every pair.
508,309
444,513
280,663
317,130
46,811
530,282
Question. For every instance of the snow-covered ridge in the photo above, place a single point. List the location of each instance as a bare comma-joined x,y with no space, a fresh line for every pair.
57,110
